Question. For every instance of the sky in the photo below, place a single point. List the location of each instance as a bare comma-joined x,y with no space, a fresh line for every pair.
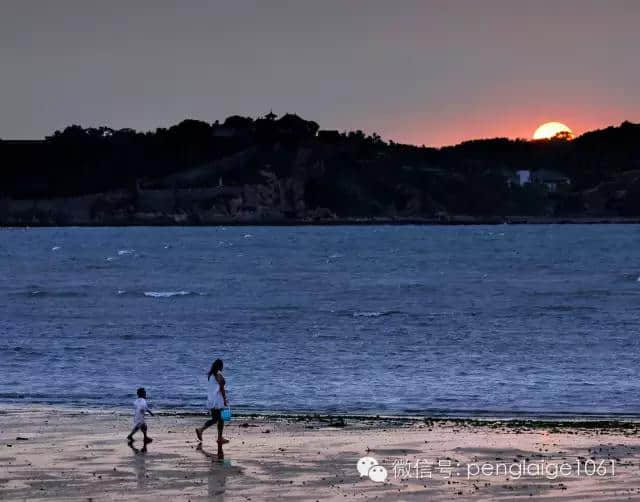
420,72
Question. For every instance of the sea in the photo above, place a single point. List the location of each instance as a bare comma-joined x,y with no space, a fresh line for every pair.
505,320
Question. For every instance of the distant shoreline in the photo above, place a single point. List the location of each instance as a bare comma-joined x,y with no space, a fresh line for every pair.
169,221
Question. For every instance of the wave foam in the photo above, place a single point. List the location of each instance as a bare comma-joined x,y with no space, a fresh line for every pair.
374,314
166,294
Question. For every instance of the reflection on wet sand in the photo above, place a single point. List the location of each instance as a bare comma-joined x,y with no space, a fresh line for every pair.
140,464
82,455
218,472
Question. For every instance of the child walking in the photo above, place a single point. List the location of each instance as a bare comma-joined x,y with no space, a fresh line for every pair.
140,407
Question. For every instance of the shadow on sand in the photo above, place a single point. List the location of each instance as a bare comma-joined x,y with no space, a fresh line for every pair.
219,470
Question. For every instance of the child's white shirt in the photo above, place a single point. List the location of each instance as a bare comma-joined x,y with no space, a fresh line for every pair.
141,408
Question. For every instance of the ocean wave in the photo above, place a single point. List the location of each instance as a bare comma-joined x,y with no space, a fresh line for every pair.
62,397
566,308
375,313
95,267
39,293
167,294
22,352
142,336
157,294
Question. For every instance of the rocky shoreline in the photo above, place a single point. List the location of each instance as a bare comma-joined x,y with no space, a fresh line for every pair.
167,220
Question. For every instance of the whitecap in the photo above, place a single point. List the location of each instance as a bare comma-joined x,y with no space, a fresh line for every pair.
248,236
370,314
166,294
122,252
336,255
121,291
110,258
55,248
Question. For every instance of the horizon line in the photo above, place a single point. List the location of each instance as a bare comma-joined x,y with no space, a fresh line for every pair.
345,131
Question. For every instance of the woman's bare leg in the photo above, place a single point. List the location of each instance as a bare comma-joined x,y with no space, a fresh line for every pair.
220,427
206,425
221,440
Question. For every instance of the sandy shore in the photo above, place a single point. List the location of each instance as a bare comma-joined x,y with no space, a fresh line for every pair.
52,453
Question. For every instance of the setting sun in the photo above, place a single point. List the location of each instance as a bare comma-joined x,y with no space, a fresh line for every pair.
551,130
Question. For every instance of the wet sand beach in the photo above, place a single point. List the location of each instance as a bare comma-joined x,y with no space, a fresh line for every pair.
49,453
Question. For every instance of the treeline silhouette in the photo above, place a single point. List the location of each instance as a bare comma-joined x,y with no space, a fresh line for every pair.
341,174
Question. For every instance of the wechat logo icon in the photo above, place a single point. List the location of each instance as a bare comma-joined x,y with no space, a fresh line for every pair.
368,466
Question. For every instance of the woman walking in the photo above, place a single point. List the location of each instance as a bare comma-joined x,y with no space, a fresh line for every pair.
216,400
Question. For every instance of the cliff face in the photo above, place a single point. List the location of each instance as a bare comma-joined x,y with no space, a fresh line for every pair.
283,171
198,195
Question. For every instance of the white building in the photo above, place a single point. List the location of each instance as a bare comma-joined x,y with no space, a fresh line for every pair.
523,176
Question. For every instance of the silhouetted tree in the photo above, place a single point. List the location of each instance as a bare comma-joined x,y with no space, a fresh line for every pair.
351,174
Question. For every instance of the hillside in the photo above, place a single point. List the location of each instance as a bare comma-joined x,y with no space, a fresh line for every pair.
284,170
